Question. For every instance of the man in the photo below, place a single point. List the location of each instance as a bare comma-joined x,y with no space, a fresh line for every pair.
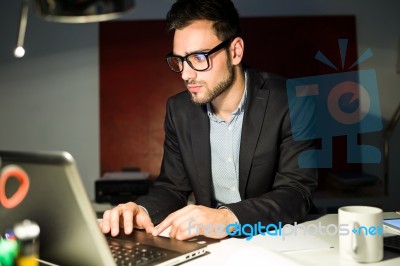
227,138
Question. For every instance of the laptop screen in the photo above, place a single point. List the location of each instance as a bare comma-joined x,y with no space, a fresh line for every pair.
56,200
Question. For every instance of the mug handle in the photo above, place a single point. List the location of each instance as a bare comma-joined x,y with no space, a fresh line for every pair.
353,241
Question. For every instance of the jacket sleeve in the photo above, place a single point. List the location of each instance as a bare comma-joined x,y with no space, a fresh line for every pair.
172,187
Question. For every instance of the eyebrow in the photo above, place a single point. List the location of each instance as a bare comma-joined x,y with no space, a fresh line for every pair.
193,52
199,51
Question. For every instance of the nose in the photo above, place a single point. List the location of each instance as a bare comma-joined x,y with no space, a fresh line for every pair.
188,72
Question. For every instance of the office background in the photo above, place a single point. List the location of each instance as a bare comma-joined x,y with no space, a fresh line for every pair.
49,100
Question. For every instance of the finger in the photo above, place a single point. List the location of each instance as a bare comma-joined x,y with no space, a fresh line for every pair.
163,225
199,221
195,226
181,220
190,225
168,221
129,211
182,231
105,222
180,225
144,222
149,227
115,214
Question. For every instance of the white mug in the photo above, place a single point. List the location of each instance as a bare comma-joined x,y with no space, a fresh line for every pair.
363,241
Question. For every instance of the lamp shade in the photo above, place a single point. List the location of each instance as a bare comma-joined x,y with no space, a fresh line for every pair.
81,11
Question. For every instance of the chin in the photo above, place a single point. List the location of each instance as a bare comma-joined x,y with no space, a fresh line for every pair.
197,99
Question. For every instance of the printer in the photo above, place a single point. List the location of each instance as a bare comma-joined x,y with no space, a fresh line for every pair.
121,187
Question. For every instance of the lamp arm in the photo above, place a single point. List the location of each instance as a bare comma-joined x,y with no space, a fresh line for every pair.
20,51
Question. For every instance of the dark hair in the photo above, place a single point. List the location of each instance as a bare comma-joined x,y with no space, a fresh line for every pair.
222,12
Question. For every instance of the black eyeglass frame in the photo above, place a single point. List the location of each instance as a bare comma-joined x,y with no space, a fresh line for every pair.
206,54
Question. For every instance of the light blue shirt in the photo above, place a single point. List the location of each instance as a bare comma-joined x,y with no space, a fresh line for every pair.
225,148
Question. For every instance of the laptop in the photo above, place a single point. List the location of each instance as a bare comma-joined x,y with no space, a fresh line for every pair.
69,233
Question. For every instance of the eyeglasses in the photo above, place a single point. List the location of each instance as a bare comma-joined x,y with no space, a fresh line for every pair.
199,61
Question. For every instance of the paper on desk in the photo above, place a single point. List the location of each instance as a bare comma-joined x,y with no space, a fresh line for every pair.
165,233
263,250
239,251
300,241
236,252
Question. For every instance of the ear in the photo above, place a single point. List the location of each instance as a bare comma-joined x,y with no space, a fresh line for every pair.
237,50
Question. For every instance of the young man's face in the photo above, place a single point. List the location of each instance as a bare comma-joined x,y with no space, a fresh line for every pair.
207,85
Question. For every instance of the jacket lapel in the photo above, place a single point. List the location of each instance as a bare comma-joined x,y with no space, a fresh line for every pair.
200,138
257,98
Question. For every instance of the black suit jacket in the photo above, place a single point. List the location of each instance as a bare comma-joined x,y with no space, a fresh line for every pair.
272,187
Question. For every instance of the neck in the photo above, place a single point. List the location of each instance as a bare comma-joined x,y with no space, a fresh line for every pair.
226,103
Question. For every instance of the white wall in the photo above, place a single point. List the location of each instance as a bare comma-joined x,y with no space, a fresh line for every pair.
49,100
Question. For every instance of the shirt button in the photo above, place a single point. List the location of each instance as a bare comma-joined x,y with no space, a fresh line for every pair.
229,160
233,189
230,128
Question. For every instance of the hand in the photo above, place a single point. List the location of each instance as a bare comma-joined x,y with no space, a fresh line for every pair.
194,220
127,216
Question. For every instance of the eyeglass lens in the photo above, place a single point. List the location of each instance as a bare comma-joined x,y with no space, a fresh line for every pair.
196,61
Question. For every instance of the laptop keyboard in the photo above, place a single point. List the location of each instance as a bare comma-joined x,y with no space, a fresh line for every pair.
392,243
128,253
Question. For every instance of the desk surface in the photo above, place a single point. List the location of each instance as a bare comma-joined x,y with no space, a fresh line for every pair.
221,252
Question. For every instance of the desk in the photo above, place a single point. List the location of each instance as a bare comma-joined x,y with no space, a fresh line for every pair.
221,252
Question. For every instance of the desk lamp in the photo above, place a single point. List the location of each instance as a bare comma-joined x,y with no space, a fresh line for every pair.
71,11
